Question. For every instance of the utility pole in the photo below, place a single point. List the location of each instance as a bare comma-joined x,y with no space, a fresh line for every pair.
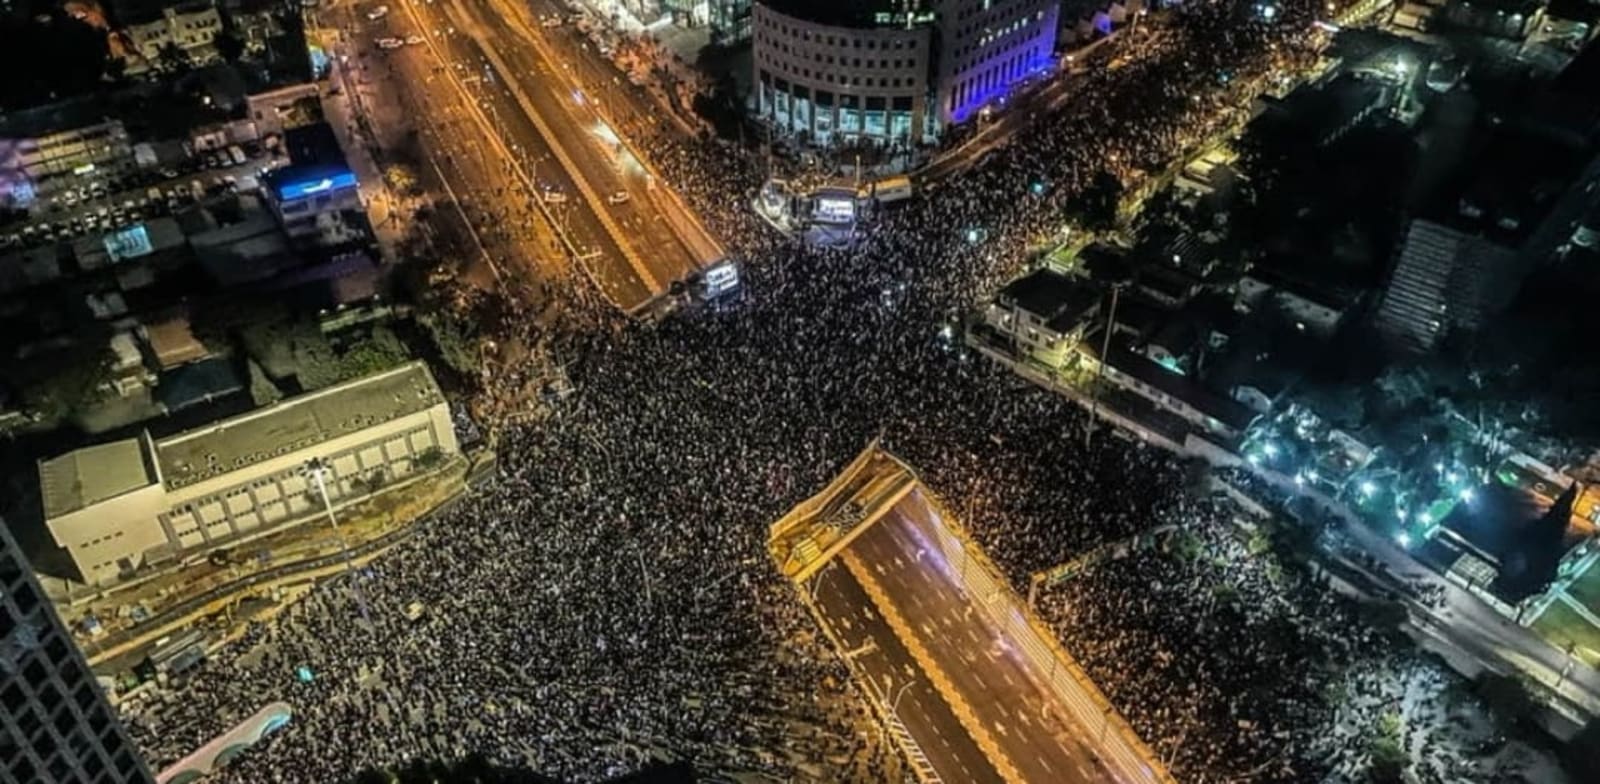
1100,370
316,470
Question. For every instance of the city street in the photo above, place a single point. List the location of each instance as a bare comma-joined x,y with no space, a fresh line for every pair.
983,664
894,680
606,189
488,155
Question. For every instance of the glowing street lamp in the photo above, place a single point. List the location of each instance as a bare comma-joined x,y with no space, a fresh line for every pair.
1368,489
1404,538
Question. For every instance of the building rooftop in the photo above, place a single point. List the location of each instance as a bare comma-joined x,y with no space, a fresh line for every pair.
1043,292
1509,529
1225,410
1512,185
314,144
64,115
850,13
296,423
1168,281
87,476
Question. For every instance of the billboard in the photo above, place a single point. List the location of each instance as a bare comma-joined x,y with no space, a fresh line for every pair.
314,186
829,209
128,243
721,279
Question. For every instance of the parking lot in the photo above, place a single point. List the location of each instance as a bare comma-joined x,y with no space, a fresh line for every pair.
112,202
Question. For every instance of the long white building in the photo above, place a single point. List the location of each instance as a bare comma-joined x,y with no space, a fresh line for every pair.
121,506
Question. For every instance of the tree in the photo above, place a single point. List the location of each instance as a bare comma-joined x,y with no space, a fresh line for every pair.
172,58
67,381
1581,756
455,339
430,458
379,350
229,46
1387,750
1100,202
1508,697
401,178
262,390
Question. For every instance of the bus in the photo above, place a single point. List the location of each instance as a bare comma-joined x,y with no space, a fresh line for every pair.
893,189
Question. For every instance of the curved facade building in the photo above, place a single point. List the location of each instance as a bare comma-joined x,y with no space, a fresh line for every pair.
892,72
836,75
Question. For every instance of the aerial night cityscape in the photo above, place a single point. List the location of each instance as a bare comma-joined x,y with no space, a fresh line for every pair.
789,391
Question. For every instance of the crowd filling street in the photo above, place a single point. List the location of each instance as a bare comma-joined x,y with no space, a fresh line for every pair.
608,599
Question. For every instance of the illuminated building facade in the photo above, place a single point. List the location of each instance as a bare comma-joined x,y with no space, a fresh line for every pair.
892,73
316,197
123,505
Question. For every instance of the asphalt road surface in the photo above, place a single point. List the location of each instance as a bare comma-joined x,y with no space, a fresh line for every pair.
1003,689
493,151
880,658
613,189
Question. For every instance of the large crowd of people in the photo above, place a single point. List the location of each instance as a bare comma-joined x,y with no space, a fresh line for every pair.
609,600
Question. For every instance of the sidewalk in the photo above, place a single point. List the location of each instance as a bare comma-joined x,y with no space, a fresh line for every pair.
357,137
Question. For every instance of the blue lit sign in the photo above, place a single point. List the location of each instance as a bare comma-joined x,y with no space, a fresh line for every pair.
300,190
129,243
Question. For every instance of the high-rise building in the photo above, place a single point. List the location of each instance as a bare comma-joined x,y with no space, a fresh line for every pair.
892,72
55,724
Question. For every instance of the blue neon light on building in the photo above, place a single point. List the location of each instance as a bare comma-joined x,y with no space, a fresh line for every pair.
333,182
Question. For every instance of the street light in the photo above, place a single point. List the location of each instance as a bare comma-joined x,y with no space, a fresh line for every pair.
316,471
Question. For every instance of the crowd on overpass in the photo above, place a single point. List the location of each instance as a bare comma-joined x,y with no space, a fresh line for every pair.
609,599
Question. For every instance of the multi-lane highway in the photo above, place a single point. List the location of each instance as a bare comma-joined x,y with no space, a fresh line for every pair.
543,177
1027,724
626,225
889,673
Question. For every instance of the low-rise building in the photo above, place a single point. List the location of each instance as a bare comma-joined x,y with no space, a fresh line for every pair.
189,26
1463,260
316,197
120,506
1317,311
1216,415
62,145
1043,315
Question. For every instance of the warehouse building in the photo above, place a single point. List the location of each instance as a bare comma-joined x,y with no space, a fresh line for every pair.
118,507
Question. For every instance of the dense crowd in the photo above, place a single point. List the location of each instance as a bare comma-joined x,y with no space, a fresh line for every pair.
609,598
1235,664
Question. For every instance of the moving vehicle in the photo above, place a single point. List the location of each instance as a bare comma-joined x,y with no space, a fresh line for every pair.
620,197
390,43
378,13
414,39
